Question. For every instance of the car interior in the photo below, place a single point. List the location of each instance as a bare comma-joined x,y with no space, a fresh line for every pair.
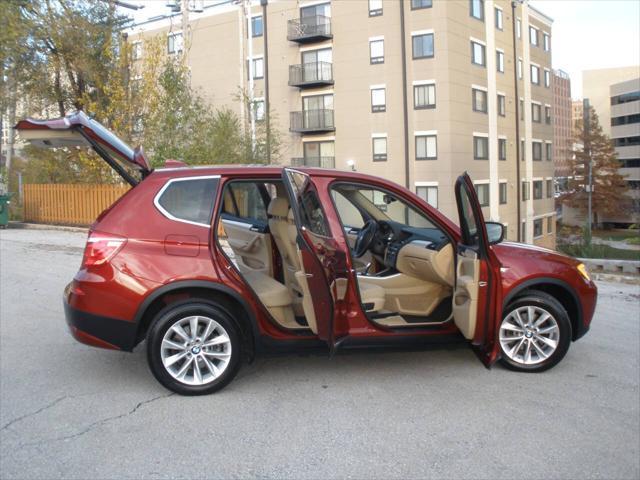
405,264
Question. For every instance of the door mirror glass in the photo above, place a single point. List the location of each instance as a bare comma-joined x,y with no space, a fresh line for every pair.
495,232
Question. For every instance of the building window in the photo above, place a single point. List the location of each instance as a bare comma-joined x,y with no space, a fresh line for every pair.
500,61
136,50
424,96
174,43
537,189
521,109
422,45
625,98
503,193
375,8
478,56
547,114
523,151
418,4
533,36
480,148
256,26
482,190
426,147
549,188
536,113
376,51
546,40
547,78
476,9
428,194
379,147
502,149
502,105
536,151
525,191
257,68
378,99
259,109
535,75
518,28
537,228
520,68
549,154
498,18
479,100
550,224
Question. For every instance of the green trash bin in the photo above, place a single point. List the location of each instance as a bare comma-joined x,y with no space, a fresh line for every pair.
4,210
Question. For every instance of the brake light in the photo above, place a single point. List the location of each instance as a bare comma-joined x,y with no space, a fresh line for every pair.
101,247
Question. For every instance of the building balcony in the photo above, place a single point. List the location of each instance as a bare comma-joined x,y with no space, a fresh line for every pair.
309,29
312,121
317,162
313,74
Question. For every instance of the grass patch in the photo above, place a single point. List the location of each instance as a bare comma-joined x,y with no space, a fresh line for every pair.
599,251
616,234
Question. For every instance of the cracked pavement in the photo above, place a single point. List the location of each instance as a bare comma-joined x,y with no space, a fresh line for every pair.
72,411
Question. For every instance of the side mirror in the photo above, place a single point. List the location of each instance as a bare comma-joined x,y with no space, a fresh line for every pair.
495,232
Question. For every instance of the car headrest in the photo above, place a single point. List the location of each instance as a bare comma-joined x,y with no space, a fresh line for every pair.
278,207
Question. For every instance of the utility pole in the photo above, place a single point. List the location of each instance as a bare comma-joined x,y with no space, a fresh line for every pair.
587,150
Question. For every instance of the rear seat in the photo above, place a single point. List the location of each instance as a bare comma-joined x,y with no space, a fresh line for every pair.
275,296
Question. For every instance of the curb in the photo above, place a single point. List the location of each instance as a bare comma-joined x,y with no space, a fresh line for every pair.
609,277
42,226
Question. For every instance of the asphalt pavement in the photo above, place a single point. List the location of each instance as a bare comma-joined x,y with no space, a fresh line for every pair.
72,411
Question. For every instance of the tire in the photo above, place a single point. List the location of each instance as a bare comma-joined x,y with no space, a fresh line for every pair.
530,349
171,345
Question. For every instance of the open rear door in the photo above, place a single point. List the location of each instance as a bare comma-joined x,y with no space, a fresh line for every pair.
477,294
78,130
323,277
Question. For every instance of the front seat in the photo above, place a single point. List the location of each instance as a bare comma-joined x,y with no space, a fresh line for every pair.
278,212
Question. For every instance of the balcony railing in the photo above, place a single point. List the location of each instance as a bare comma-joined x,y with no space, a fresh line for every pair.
312,121
318,162
309,29
311,74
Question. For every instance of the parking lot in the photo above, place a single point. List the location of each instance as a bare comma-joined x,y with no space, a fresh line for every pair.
71,411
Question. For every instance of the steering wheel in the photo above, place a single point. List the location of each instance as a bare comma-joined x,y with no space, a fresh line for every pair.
365,237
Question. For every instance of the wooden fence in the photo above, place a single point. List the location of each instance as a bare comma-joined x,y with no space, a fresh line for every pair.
68,204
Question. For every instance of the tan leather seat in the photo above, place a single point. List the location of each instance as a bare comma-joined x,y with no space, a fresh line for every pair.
279,222
274,296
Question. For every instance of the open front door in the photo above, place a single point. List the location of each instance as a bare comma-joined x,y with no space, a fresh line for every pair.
323,277
78,130
476,297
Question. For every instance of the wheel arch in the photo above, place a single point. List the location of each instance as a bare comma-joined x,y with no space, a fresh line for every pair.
559,290
223,296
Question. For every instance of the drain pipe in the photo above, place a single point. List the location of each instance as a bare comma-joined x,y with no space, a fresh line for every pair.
517,100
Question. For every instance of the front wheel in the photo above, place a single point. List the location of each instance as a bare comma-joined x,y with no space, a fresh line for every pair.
194,348
535,333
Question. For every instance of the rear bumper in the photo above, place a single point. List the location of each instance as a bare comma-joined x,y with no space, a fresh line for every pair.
96,330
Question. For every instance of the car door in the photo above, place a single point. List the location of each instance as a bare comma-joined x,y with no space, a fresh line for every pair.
477,292
324,276
78,130
246,226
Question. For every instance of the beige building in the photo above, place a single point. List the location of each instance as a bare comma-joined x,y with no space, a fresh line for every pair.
562,127
417,91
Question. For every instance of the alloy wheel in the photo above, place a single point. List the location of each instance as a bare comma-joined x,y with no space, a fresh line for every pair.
195,350
529,335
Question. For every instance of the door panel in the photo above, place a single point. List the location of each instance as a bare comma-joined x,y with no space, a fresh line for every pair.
478,293
251,245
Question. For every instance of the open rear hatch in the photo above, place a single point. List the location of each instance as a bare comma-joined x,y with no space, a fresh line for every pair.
78,130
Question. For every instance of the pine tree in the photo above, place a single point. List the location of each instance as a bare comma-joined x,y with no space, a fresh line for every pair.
609,186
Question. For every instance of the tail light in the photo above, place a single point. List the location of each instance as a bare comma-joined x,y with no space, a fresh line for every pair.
101,247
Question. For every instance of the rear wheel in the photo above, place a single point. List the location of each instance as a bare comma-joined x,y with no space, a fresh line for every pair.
535,333
194,348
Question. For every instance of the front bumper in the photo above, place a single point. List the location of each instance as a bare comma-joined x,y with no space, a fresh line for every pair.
96,330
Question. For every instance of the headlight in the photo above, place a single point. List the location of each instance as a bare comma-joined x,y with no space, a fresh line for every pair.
583,271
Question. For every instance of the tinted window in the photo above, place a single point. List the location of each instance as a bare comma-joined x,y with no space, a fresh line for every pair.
190,200
312,215
245,200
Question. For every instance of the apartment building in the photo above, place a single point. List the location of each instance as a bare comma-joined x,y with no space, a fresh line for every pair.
417,91
562,127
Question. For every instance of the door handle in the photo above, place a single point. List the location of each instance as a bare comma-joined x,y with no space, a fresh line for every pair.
254,229
482,284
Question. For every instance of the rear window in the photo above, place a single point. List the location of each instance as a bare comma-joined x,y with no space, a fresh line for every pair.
189,200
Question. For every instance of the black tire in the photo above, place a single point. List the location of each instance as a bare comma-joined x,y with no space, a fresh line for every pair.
555,308
174,313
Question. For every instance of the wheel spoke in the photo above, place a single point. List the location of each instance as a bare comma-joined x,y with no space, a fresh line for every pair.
530,315
166,343
541,319
551,343
215,371
207,330
518,318
527,352
217,354
220,339
197,375
540,352
174,358
183,370
180,331
515,349
193,327
511,327
547,330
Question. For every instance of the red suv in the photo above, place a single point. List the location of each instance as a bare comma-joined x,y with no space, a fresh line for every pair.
211,265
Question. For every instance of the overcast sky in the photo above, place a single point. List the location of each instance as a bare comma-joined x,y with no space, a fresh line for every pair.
586,34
